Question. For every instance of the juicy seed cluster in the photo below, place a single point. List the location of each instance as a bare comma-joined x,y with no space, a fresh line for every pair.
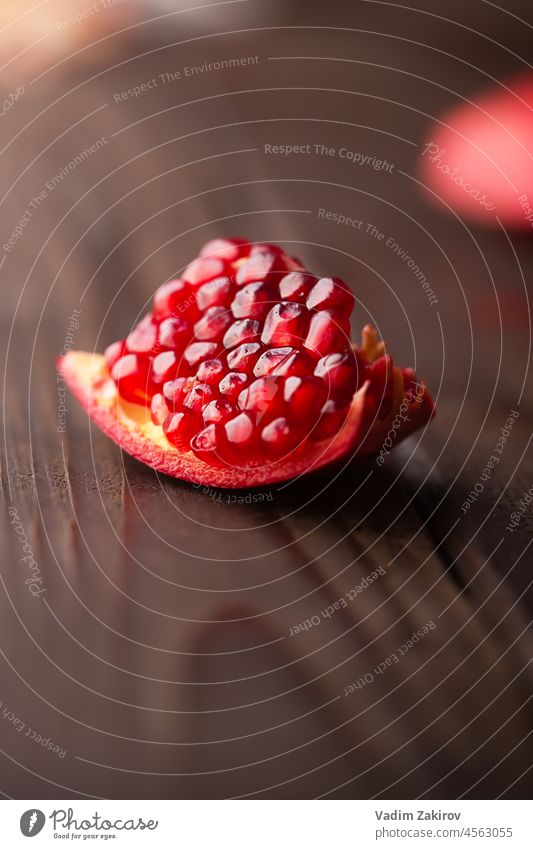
246,356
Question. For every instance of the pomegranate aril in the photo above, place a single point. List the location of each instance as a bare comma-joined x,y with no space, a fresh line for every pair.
226,249
209,444
198,398
342,373
331,293
261,266
265,247
216,293
328,331
131,374
245,330
240,433
279,437
114,352
263,399
143,337
204,269
286,324
218,411
158,409
304,398
179,428
298,364
174,333
332,417
174,391
244,357
213,324
173,298
231,385
270,359
210,372
253,300
164,367
197,352
296,286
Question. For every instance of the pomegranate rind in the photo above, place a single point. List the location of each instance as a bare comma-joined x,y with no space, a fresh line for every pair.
130,426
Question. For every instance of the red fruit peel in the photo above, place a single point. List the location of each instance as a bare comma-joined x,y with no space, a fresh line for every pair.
263,385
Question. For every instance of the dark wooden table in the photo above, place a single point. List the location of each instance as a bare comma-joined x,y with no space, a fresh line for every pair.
155,657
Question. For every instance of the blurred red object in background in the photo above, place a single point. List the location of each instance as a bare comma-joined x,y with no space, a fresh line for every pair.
478,158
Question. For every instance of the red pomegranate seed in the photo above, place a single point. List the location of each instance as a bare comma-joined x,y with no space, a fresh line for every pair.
226,249
180,427
213,324
174,333
296,286
131,374
232,385
218,411
165,367
304,398
198,398
174,391
261,266
173,298
244,357
328,331
266,248
331,293
216,293
270,359
240,433
298,364
197,352
209,444
201,270
143,337
114,352
245,330
286,324
263,398
253,300
158,409
279,437
210,372
342,374
332,417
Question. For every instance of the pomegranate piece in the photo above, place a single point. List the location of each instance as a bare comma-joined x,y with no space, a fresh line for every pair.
218,411
232,385
279,437
159,409
131,375
262,265
253,300
227,249
174,333
213,324
286,324
203,269
331,293
245,330
143,338
304,397
173,298
216,293
328,331
244,357
296,286
246,366
179,428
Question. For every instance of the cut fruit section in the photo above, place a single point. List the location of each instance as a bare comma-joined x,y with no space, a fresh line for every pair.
260,389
